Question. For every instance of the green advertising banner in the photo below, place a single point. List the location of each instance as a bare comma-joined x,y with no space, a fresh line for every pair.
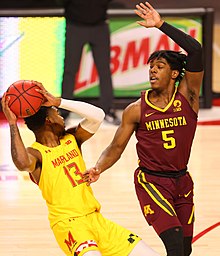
131,46
33,48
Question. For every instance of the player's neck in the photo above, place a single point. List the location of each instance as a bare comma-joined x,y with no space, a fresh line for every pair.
48,139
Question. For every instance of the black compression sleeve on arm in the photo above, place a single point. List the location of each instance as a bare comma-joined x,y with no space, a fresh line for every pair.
189,44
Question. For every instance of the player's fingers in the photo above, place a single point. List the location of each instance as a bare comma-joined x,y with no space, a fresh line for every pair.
140,9
5,99
39,84
88,183
143,6
44,92
42,89
139,13
85,176
146,8
149,6
5,102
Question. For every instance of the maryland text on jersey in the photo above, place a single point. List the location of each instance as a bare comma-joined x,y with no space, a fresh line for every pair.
64,158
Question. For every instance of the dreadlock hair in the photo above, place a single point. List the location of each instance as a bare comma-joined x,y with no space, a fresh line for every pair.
37,120
176,60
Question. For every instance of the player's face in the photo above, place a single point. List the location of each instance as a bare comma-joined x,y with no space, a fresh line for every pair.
160,73
56,119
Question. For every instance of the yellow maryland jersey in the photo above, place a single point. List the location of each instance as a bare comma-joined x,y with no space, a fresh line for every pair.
61,181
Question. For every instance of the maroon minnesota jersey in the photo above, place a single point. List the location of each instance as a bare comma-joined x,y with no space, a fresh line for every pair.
165,135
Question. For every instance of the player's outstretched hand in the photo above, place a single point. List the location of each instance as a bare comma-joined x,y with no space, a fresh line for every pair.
91,175
50,100
150,16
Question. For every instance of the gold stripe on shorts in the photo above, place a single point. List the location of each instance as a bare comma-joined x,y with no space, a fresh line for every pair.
155,194
191,218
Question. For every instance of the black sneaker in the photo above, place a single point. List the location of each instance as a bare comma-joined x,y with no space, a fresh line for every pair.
111,118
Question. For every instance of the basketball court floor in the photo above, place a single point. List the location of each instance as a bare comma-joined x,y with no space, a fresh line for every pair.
24,227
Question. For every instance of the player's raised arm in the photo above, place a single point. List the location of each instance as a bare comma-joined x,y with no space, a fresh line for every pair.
20,156
192,80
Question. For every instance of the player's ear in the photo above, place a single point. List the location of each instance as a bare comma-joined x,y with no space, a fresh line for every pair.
47,120
175,74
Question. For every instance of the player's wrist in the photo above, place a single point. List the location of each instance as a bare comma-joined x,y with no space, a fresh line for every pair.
98,170
58,102
13,124
159,23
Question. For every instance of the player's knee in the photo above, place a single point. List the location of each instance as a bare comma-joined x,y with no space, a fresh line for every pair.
173,241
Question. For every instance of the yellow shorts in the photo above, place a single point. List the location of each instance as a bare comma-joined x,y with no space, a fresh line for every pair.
76,236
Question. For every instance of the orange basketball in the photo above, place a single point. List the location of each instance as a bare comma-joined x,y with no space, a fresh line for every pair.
24,99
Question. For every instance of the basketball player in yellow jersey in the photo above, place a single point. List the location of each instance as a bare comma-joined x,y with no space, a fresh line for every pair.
55,164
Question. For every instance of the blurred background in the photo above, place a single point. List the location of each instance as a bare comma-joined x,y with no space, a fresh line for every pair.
32,37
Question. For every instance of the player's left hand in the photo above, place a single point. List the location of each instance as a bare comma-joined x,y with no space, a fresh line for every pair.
150,16
50,100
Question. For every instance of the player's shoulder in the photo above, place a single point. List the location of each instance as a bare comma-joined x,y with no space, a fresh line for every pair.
132,111
134,105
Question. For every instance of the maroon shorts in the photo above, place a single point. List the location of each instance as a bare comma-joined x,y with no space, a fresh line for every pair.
166,202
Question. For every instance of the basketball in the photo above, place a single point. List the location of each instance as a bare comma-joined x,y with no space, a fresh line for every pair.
24,99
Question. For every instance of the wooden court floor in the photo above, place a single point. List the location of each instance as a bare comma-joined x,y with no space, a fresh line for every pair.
24,228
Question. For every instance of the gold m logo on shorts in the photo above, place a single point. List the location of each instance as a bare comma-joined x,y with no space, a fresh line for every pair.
148,210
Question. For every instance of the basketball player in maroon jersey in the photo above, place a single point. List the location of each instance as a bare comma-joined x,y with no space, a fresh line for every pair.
164,120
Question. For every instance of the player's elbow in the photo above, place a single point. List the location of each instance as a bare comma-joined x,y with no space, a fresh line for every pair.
93,124
195,60
24,164
195,45
100,116
20,166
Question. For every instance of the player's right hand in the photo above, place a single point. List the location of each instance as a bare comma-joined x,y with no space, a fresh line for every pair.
10,116
91,175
